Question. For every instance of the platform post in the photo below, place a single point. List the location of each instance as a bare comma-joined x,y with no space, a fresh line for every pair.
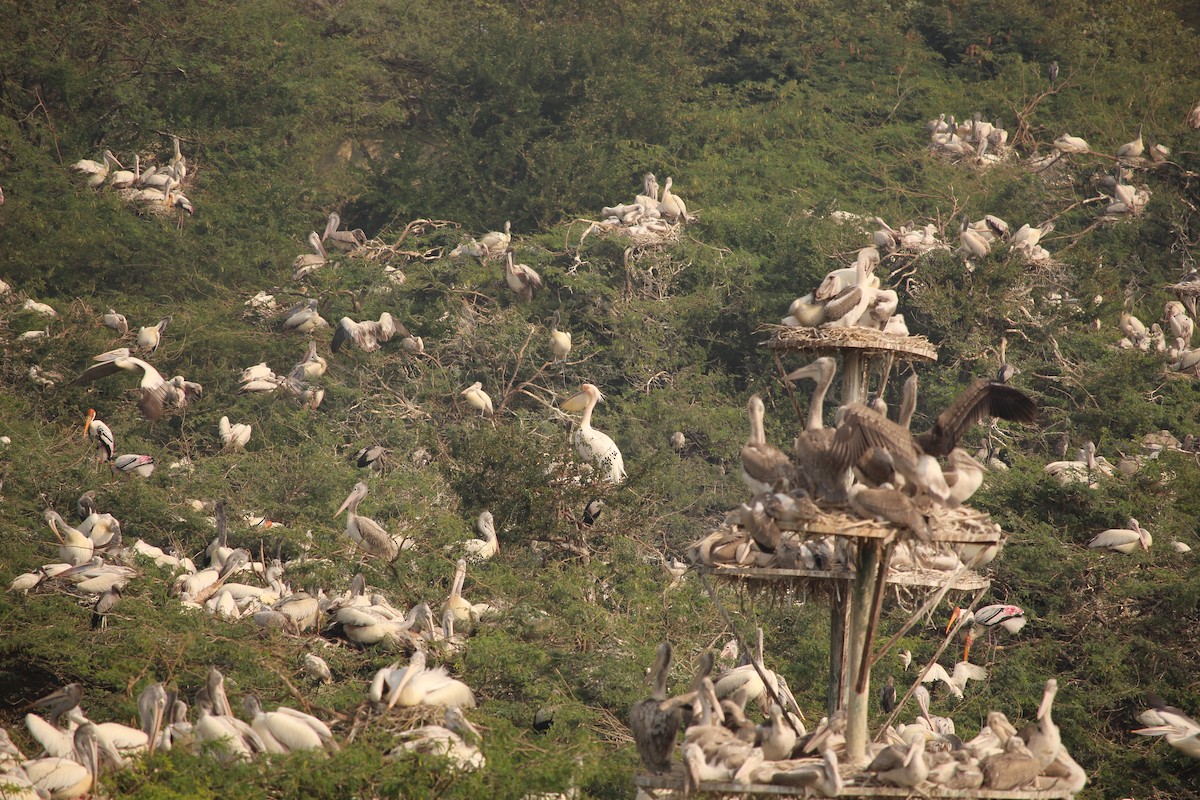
862,601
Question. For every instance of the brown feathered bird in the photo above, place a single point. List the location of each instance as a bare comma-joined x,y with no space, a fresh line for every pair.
654,726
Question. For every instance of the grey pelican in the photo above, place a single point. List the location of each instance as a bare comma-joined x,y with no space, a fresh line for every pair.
231,738
560,341
152,706
671,206
150,336
649,200
307,263
778,739
101,434
455,602
521,278
311,366
972,242
494,243
1042,738
420,685
486,547
1123,540
1011,769
1132,149
116,321
286,730
66,778
478,399
304,318
1009,617
591,444
154,389
364,531
456,741
813,460
342,240
367,335
233,436
901,767
765,468
654,721
1177,729
75,548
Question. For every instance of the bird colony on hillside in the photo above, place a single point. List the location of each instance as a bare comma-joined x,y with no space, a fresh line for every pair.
649,219
155,190
722,744
977,141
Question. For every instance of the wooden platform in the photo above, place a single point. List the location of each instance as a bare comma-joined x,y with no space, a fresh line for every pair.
865,340
969,581
674,785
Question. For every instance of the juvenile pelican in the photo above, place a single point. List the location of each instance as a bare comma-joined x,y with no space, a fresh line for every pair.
478,399
672,206
486,547
116,321
342,240
521,278
591,444
310,367
1071,144
97,170
455,602
495,243
972,242
454,742
1042,738
1010,618
765,468
286,730
1177,729
364,531
66,778
233,436
654,721
1123,540
367,335
560,341
307,263
101,434
304,318
150,336
75,548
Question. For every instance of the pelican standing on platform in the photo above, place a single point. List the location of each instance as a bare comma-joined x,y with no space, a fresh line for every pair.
765,468
591,444
654,722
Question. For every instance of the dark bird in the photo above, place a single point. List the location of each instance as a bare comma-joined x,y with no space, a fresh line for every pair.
655,721
104,606
1053,70
591,512
373,456
887,695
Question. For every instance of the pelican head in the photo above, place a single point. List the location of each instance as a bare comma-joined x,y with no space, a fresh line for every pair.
356,495
578,401
416,665
817,370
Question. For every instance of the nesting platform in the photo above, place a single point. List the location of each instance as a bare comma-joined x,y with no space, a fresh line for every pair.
671,786
865,340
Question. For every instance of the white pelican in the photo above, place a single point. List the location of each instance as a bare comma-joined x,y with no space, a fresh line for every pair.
116,321
98,170
316,667
101,434
150,336
521,278
304,318
765,468
1010,618
154,389
1177,729
367,335
342,240
1071,144
66,778
133,464
1123,540
478,399
307,263
420,685
39,308
311,366
591,444
486,547
286,730
956,682
75,548
366,532
233,436
494,243
450,742
671,205
1132,149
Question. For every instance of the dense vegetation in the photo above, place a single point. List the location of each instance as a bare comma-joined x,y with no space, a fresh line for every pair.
769,116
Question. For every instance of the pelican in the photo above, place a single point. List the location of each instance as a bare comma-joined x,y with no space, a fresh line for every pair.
1071,144
227,735
75,548
649,200
456,603
1177,729
125,179
39,308
655,721
372,456
101,434
495,243
765,468
560,341
964,477
591,444
1082,469
1123,540
450,742
154,388
98,170
65,778
307,263
1027,237
366,532
150,336
317,669
304,318
489,545
1132,149
420,685
1043,739
1015,767
367,335
850,304
521,278
973,243
116,321
1010,618
258,372
235,436
888,504
956,682
286,730
672,206
311,366
901,767
342,240
478,399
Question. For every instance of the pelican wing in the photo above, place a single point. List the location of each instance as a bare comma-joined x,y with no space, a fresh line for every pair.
981,399
891,505
346,331
97,371
863,428
1115,537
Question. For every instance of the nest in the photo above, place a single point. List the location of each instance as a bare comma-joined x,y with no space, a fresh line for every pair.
784,337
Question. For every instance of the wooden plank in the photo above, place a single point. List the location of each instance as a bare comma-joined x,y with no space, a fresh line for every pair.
730,788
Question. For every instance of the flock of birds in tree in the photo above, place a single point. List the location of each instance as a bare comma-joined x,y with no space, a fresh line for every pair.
156,190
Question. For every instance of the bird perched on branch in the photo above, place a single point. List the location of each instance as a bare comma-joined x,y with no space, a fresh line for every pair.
367,335
521,278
